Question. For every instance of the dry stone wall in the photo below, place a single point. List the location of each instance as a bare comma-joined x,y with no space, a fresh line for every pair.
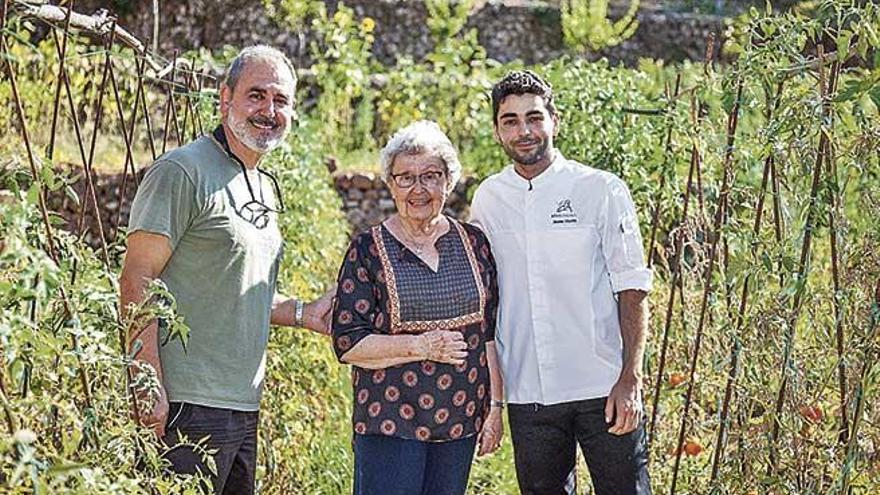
113,208
364,199
530,33
508,31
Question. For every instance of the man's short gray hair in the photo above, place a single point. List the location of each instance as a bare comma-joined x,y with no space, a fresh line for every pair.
423,136
263,53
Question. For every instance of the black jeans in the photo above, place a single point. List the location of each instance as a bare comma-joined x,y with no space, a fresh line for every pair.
545,439
233,434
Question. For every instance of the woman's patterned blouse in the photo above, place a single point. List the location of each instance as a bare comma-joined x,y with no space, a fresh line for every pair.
384,288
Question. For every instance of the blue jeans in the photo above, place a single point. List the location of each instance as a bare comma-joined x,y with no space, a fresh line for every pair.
396,466
544,443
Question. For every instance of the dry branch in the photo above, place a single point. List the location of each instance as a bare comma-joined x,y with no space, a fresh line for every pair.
100,24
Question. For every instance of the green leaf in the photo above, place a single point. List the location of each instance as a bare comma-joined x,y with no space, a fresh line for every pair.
874,94
843,42
767,262
72,195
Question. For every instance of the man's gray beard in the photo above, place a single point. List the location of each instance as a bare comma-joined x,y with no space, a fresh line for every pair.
241,129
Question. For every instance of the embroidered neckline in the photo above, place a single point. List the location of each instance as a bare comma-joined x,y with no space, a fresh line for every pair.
420,326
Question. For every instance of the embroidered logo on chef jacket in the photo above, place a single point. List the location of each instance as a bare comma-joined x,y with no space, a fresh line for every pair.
565,214
564,206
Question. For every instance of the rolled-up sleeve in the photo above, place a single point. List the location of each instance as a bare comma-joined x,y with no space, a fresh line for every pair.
622,241
355,310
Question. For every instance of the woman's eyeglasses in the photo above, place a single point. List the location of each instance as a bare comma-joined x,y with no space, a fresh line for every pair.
431,179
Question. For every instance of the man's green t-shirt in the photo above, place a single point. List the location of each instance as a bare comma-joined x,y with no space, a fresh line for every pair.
222,272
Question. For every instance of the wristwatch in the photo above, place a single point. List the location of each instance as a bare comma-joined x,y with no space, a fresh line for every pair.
298,314
496,403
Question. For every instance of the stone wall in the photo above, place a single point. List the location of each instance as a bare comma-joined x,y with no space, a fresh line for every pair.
534,35
365,201
531,33
108,191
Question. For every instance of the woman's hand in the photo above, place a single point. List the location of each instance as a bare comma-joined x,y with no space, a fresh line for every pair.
443,346
493,431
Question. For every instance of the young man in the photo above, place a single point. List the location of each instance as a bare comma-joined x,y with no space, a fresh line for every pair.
204,220
573,309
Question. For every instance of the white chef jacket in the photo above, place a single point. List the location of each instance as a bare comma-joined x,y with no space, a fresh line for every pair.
565,243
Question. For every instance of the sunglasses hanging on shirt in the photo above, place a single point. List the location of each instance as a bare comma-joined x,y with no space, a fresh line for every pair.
255,211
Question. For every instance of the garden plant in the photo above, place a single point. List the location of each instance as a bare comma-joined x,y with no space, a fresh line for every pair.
757,182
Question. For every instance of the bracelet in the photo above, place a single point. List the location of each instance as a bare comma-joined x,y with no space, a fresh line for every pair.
496,403
298,314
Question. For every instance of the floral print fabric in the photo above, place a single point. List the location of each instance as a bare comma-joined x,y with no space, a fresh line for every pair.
383,288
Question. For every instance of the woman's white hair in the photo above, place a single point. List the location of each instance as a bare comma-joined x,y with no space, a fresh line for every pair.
423,136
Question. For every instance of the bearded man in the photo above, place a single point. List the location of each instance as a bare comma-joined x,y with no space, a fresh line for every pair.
573,315
204,221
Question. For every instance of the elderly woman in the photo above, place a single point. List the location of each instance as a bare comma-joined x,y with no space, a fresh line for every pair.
415,316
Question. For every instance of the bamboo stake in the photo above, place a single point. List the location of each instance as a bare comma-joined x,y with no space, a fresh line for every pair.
134,118
201,81
171,108
188,107
50,239
62,53
803,272
80,144
678,245
667,158
868,364
777,218
127,138
739,316
147,122
41,195
99,112
720,216
65,79
11,420
833,214
675,282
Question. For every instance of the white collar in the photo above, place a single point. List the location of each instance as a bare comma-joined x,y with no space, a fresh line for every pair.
521,182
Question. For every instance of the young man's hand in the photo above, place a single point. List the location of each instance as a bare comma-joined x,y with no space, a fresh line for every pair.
624,406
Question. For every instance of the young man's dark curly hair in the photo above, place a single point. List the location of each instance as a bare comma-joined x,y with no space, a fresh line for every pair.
521,82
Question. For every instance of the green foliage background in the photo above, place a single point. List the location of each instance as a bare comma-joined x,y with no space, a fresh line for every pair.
55,440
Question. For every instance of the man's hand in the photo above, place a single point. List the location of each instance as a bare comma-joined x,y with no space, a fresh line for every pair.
493,431
158,417
317,314
624,405
145,259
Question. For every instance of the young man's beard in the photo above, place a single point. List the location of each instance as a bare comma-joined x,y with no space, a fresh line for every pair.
245,132
529,159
